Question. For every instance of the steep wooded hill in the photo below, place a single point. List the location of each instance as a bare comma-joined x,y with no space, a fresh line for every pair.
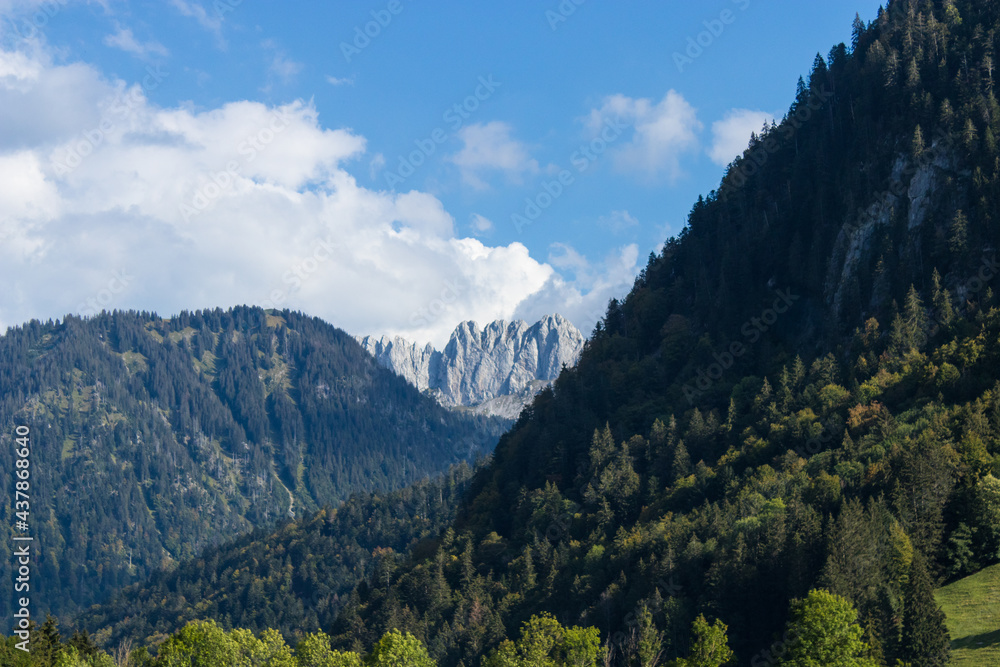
800,391
153,438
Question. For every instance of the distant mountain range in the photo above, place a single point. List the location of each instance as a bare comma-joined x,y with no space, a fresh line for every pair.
156,438
493,371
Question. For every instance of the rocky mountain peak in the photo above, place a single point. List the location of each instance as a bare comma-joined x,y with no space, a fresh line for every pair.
495,370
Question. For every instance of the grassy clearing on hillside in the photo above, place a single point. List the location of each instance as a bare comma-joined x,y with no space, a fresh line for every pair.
973,609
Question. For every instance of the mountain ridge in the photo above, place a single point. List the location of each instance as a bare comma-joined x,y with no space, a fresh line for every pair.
155,438
495,370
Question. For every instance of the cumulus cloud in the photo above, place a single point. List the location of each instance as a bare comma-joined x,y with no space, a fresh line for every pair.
41,103
489,147
110,201
662,132
731,135
482,224
125,40
584,299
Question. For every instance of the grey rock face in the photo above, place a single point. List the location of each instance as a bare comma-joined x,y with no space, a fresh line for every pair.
496,370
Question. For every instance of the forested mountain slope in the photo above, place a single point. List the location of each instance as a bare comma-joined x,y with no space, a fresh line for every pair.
294,578
800,391
155,438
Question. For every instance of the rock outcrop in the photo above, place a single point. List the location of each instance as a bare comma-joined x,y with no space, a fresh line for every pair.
496,370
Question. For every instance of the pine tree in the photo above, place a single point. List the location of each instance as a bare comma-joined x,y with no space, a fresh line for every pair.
941,300
857,32
682,462
952,17
602,448
917,145
899,335
958,237
970,136
785,390
48,643
81,642
947,115
650,639
916,319
925,637
961,558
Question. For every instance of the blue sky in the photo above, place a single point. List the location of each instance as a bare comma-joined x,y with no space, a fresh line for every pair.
251,151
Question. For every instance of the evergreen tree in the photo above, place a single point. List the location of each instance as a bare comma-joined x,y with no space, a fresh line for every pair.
917,145
916,319
958,238
941,299
681,467
650,639
857,32
47,645
925,641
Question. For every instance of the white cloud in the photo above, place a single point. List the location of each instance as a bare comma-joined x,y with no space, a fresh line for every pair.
18,67
211,22
489,147
284,67
283,221
663,132
44,103
280,66
36,12
731,135
334,81
583,300
376,165
618,221
126,41
482,224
